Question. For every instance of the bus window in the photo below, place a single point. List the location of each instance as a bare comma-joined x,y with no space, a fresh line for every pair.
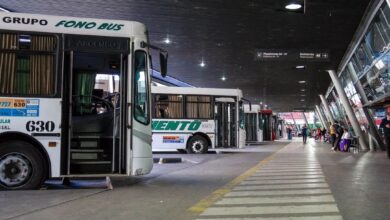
168,106
27,64
198,107
141,94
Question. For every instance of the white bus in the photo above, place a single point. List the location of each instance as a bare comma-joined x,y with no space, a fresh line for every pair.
197,119
59,115
253,129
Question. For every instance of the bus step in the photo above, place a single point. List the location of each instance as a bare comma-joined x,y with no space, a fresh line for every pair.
90,166
78,150
90,162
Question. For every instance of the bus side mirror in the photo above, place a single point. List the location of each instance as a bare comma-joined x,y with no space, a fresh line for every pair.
164,63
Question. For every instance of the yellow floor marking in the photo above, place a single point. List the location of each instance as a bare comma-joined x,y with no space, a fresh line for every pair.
203,204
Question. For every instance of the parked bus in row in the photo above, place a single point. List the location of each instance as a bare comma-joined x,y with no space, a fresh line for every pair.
59,115
197,119
253,124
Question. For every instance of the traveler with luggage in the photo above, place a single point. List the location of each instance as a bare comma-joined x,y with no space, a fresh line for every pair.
346,140
339,133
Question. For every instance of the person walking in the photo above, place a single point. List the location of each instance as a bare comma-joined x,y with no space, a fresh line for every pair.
385,125
304,133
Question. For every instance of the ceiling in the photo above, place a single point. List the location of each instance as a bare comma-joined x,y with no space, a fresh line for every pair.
227,34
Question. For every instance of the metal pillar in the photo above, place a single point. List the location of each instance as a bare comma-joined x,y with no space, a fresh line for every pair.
295,123
359,88
327,109
306,121
321,119
348,109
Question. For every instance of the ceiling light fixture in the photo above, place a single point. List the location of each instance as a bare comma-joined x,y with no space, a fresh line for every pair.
202,64
300,67
302,100
223,78
167,40
303,90
302,81
293,6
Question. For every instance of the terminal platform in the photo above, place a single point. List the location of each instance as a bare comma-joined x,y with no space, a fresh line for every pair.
275,180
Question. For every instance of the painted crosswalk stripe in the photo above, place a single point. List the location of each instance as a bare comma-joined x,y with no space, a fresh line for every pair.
260,181
288,173
285,177
277,200
322,217
261,210
278,192
289,170
290,186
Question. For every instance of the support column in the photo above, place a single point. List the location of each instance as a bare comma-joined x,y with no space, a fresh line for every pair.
327,109
359,88
306,121
321,119
348,109
295,123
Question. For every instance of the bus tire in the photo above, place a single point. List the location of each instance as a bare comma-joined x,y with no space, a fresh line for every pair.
197,145
22,166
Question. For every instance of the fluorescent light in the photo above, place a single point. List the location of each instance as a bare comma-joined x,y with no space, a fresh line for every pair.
302,100
300,67
303,90
302,81
293,6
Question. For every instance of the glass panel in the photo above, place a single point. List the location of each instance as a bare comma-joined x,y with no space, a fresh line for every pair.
198,107
141,106
168,106
376,82
27,74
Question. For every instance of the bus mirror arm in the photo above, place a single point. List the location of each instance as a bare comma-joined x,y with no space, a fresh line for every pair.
163,57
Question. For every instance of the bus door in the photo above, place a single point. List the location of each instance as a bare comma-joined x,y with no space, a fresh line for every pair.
267,129
226,122
94,113
251,126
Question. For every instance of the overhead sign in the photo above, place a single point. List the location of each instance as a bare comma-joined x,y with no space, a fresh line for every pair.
291,55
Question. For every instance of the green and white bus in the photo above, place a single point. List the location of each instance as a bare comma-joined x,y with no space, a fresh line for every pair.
59,115
197,119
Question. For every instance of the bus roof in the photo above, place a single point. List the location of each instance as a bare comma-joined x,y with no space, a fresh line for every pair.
254,108
196,91
70,25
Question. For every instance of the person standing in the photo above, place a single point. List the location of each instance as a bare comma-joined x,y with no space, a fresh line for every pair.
332,132
304,133
339,133
385,125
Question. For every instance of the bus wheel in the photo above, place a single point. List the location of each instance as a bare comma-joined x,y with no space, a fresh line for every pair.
21,166
197,145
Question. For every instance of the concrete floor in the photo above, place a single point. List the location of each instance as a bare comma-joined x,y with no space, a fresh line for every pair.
296,182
